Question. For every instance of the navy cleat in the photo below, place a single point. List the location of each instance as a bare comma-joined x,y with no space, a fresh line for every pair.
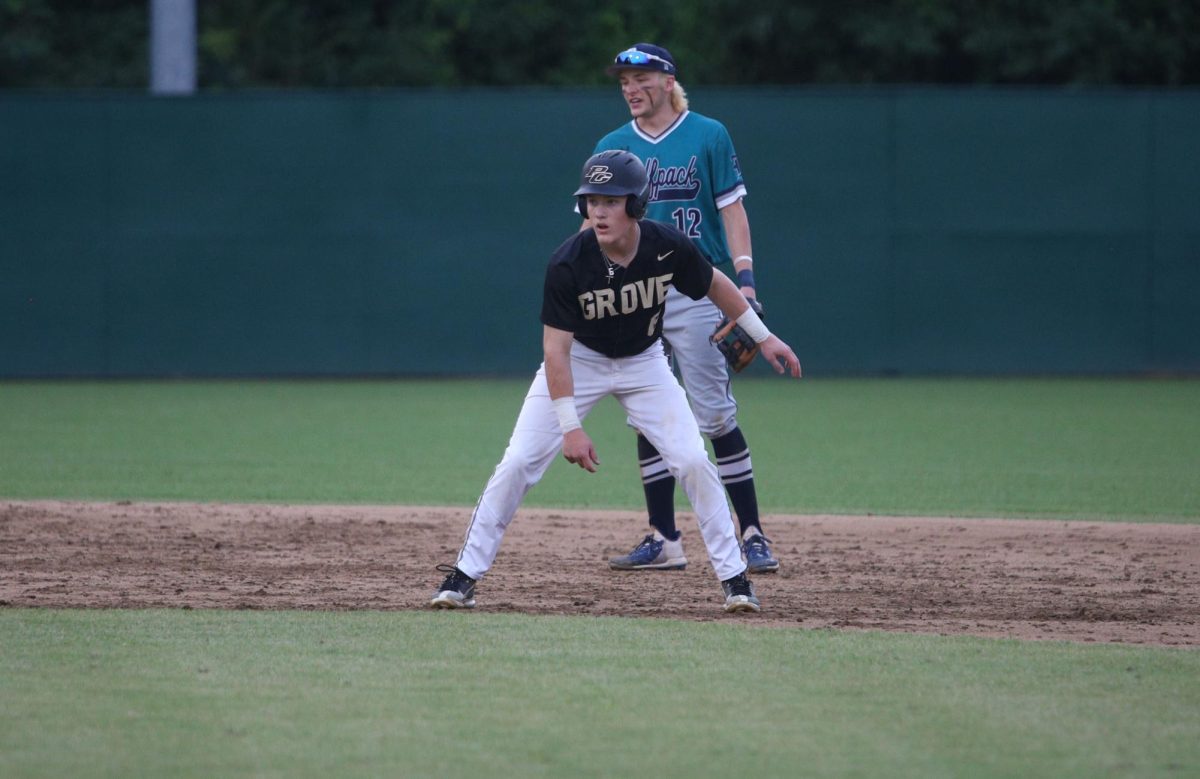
758,555
654,553
739,594
456,592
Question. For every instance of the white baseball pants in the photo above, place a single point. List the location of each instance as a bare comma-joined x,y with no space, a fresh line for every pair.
655,404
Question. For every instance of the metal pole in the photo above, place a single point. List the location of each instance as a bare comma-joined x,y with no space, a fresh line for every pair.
172,47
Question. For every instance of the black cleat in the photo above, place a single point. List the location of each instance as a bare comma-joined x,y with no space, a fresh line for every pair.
456,592
739,594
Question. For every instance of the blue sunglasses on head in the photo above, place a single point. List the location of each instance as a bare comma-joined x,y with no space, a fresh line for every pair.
637,57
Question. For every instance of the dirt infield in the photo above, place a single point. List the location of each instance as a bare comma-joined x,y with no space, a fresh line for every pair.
1078,581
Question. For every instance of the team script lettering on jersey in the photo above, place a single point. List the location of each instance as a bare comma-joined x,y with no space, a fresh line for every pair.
672,182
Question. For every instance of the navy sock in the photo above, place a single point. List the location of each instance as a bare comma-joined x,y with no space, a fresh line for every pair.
659,486
737,474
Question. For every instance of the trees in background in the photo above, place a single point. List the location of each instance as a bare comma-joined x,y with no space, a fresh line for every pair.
386,43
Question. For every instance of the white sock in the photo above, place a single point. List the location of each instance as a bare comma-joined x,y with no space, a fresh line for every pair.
672,548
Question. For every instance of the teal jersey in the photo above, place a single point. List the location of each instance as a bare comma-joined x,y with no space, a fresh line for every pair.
694,173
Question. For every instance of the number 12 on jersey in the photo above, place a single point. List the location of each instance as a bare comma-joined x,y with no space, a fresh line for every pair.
688,221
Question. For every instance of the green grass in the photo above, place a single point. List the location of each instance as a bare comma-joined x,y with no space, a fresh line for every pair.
287,694
1118,449
178,693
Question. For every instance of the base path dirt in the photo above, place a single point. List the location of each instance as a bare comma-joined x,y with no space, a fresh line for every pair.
1032,579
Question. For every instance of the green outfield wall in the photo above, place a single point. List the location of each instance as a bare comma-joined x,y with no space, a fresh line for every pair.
909,230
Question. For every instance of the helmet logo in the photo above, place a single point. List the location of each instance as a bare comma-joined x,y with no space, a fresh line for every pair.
598,174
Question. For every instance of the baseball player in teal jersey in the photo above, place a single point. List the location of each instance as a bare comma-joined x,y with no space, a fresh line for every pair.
695,185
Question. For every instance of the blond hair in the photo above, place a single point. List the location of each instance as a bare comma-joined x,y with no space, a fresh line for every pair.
679,100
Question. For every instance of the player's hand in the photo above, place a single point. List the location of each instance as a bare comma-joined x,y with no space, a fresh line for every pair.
578,449
780,356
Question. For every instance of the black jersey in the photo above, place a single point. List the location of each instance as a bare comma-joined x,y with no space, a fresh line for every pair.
618,311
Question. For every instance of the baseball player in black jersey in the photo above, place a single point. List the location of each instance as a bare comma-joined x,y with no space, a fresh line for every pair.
602,313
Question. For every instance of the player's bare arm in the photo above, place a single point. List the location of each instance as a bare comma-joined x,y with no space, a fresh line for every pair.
732,303
737,234
577,445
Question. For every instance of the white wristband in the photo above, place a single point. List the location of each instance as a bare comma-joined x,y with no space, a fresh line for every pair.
753,325
568,419
745,257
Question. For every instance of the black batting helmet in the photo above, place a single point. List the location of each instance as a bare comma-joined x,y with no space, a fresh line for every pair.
615,172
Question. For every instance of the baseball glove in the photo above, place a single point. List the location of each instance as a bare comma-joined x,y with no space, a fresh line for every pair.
735,344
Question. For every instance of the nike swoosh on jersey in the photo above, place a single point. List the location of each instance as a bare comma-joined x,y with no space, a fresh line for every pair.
662,257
